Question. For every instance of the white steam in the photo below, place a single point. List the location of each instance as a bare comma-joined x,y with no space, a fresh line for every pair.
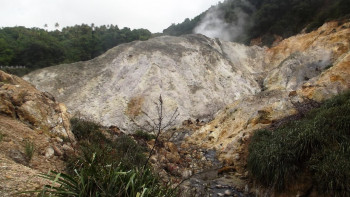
213,24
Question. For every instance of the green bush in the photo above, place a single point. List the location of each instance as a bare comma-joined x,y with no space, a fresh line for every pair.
318,143
91,141
86,130
129,152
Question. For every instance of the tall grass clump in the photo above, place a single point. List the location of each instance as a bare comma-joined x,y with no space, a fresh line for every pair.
1,136
106,180
29,149
319,144
105,168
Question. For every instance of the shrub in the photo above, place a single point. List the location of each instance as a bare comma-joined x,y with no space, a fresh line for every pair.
91,140
86,129
129,152
318,143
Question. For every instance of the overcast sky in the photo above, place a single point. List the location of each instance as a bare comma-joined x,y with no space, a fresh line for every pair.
154,15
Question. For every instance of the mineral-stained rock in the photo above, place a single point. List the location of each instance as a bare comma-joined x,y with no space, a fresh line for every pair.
29,116
21,100
289,83
195,74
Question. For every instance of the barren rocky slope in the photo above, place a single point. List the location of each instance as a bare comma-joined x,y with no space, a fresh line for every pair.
30,117
194,73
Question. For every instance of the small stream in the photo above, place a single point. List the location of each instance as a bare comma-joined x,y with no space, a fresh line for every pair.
208,183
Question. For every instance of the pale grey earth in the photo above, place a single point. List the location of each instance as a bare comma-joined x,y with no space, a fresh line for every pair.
193,73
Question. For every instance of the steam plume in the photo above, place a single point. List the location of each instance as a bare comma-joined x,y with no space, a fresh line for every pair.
214,25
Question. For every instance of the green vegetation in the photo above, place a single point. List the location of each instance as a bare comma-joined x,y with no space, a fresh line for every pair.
36,48
269,17
106,181
1,136
29,149
105,167
144,135
92,142
186,27
86,130
318,144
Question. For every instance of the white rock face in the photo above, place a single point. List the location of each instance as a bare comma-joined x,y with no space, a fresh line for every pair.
197,74
193,73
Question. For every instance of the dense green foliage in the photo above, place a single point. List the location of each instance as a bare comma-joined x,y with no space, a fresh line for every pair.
268,17
105,168
318,144
36,48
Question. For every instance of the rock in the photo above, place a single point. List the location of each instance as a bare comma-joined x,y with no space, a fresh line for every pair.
171,147
9,177
153,159
68,149
59,140
21,100
186,173
246,174
195,74
49,152
58,152
246,189
228,192
219,186
173,169
18,156
221,194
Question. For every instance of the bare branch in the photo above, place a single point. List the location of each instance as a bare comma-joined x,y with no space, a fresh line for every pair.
146,114
172,119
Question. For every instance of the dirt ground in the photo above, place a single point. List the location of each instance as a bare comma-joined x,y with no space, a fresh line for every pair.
16,172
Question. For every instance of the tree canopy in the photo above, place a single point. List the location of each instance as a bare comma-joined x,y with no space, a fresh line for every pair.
37,48
271,17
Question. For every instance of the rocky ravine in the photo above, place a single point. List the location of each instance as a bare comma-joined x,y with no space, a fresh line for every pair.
297,78
248,87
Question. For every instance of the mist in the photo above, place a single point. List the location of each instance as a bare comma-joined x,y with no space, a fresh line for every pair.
213,24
